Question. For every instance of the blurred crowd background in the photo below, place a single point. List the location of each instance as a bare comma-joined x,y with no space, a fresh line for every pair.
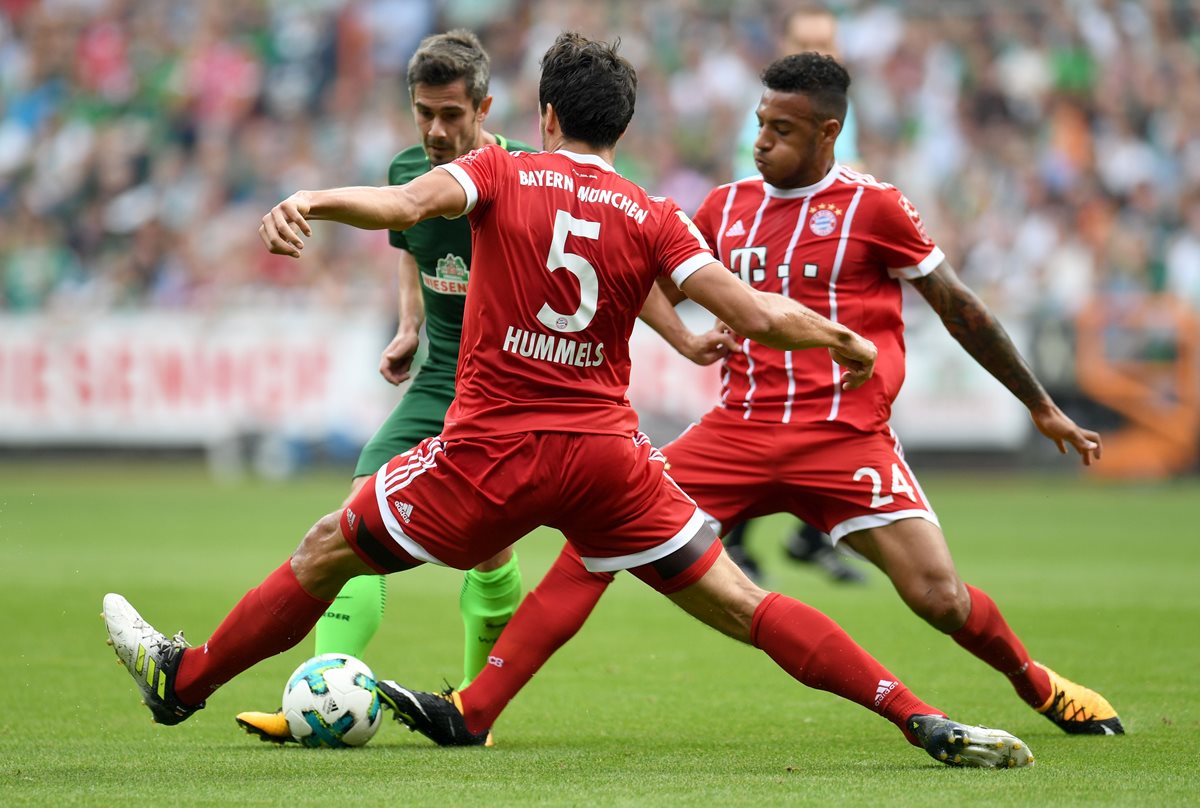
1052,147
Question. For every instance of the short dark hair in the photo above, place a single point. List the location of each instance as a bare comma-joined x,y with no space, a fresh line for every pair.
819,77
593,90
445,58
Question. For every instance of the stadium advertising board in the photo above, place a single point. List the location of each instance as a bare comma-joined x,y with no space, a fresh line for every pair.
185,379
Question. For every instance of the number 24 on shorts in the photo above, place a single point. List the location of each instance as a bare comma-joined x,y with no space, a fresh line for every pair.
900,485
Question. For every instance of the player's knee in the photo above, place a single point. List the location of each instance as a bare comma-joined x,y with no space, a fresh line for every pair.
318,560
943,603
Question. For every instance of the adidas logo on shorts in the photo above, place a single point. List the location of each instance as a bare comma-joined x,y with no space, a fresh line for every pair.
404,509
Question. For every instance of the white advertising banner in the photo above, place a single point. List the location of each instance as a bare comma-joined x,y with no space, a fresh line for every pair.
186,379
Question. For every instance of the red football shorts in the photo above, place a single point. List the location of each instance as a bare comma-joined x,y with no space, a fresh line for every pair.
833,477
459,502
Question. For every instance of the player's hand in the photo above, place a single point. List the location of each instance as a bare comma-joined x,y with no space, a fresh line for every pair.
281,227
858,359
396,361
711,346
1055,425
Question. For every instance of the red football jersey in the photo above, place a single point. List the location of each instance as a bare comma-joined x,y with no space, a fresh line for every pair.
565,251
839,247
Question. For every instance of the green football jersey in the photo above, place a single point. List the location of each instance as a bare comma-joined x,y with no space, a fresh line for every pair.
442,250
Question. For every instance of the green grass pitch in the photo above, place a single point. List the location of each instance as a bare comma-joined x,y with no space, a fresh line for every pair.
644,707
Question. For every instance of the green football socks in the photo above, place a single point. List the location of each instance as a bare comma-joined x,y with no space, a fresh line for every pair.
487,602
353,618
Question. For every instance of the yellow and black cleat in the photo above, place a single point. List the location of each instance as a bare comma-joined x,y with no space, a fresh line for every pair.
1078,710
270,727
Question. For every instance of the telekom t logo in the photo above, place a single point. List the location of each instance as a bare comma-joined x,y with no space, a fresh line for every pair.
749,263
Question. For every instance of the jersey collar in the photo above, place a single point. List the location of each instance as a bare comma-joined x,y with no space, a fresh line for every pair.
808,190
588,159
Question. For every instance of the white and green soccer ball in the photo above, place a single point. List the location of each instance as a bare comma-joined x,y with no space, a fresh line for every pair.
331,702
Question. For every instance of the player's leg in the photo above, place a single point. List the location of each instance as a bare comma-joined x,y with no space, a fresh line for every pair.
800,639
549,615
547,618
491,590
666,544
440,716
345,628
467,511
490,594
274,616
417,488
914,555
818,653
357,610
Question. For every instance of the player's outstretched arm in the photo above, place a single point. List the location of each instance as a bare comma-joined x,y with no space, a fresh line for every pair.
779,322
979,332
395,207
703,349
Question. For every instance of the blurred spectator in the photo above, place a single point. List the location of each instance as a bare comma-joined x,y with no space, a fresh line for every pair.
1052,147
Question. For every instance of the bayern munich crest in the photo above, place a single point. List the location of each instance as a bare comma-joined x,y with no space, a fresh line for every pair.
824,219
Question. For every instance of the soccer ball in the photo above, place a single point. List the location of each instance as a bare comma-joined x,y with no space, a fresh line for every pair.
331,702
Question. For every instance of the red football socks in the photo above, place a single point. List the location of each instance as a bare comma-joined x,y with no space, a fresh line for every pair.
549,615
818,653
987,636
268,620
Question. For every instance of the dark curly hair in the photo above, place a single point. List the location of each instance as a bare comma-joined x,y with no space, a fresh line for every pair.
593,90
819,77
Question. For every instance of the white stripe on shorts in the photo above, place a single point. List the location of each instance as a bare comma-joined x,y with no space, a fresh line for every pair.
879,520
415,467
614,563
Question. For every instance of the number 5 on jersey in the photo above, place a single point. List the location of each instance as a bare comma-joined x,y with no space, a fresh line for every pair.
589,285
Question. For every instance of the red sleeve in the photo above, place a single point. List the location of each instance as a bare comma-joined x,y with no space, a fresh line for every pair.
480,172
899,238
681,249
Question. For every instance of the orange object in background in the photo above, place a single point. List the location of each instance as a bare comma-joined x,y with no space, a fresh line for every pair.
1141,358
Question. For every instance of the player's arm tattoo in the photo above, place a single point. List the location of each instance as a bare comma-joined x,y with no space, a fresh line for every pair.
979,332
